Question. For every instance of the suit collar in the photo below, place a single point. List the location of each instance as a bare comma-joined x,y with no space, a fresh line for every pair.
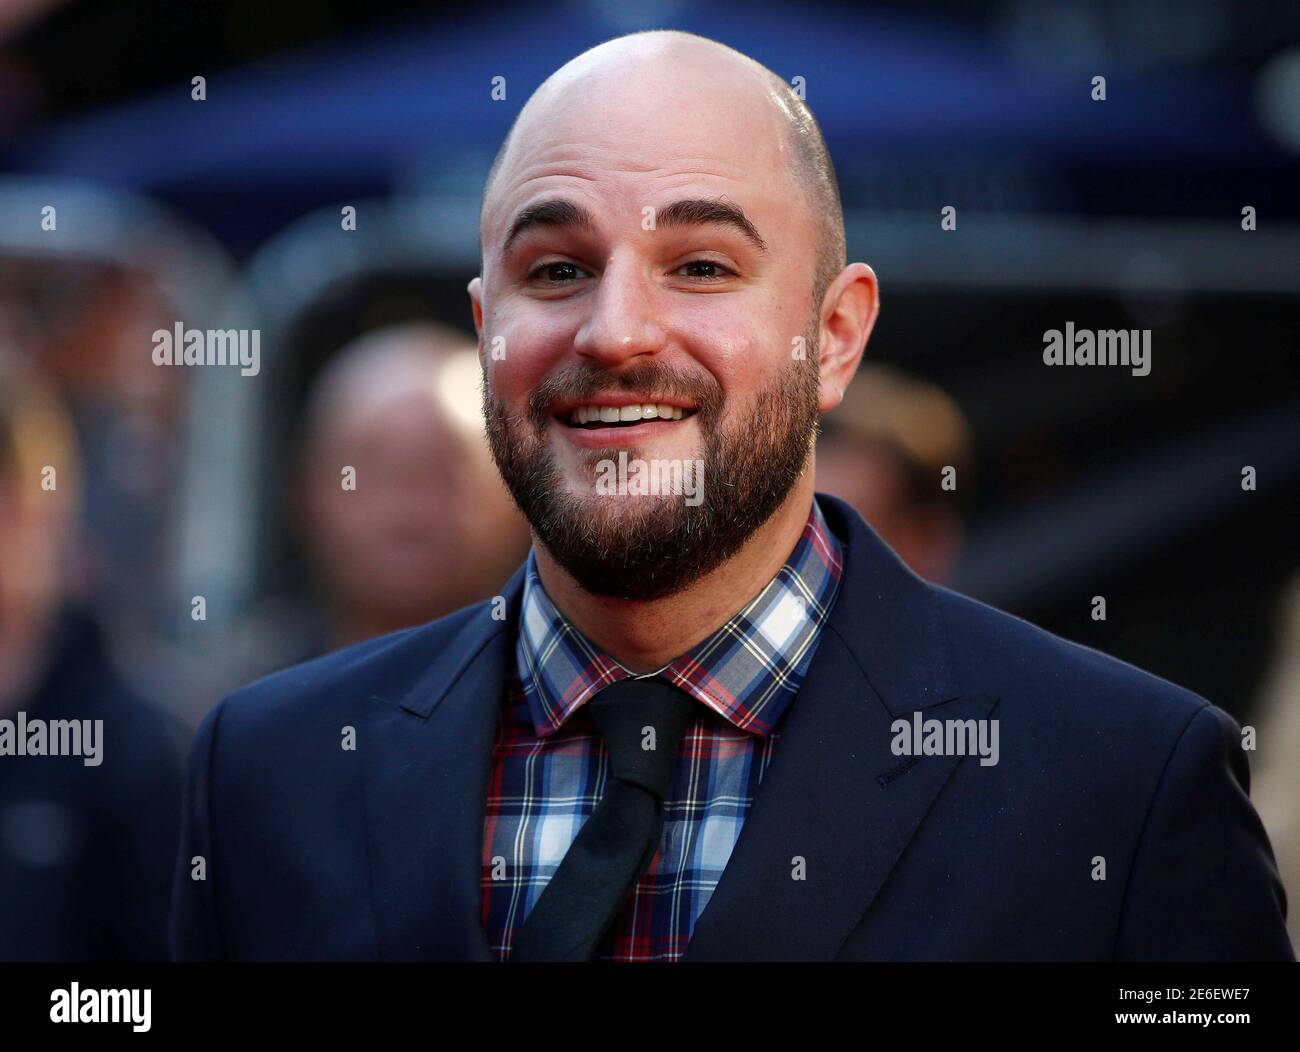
480,626
889,619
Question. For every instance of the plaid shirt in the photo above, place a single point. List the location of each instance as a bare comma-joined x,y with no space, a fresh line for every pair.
549,765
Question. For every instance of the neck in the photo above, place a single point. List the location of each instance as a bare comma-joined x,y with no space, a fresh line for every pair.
645,635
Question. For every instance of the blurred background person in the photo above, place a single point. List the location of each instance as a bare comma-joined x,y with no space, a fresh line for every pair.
83,323
429,526
85,851
884,450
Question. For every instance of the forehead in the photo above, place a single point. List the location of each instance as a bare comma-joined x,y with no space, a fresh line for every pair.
627,137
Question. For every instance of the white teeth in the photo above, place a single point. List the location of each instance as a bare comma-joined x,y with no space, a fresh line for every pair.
608,414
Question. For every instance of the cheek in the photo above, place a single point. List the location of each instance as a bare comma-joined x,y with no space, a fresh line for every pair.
742,341
521,345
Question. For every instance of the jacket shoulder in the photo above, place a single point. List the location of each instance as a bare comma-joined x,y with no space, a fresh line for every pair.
998,652
333,684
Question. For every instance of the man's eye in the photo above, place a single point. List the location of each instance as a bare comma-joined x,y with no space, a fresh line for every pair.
556,273
706,269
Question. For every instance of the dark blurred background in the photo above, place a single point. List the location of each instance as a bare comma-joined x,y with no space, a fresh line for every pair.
226,212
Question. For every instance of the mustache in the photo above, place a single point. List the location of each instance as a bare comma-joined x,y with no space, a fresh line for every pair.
579,382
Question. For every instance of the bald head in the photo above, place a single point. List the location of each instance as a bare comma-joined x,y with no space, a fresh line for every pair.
429,366
427,525
630,87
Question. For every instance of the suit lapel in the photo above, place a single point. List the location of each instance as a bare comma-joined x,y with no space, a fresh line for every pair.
428,755
835,797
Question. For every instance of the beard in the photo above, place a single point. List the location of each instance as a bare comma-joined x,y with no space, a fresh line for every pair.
648,547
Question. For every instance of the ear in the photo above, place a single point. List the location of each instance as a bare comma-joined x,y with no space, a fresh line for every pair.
848,315
475,289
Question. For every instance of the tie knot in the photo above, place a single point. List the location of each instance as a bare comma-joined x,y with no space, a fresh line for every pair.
642,722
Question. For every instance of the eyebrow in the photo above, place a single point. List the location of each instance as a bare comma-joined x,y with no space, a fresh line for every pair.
554,212
695,211
700,211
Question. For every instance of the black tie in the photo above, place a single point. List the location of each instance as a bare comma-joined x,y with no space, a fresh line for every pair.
616,844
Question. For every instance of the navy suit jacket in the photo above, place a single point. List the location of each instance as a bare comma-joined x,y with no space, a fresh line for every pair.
315,851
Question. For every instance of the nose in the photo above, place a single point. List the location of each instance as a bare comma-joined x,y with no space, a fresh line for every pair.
622,323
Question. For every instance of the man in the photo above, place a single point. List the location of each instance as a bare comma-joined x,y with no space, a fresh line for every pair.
881,451
682,731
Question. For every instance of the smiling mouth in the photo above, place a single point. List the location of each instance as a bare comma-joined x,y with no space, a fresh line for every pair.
591,418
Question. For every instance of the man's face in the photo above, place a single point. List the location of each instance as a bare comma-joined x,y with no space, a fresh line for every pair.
644,242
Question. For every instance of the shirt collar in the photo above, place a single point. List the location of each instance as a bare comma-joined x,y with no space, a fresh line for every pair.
748,671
